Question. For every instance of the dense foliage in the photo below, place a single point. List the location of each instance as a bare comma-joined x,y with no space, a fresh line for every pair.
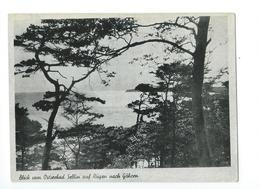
28,134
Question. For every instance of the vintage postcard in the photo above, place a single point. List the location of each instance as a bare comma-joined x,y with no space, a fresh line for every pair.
123,97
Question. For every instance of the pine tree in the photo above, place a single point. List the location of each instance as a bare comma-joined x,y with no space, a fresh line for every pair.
28,133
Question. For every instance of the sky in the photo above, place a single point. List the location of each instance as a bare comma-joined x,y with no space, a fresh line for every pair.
127,75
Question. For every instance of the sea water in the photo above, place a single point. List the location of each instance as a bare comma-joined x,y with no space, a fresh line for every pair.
115,110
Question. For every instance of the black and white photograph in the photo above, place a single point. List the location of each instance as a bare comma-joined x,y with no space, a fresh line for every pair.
123,97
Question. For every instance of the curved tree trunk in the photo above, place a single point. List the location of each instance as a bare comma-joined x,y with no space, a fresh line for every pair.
197,83
49,139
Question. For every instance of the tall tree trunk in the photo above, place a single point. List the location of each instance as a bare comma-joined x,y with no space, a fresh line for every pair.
162,157
77,154
173,136
49,139
148,162
137,118
76,160
197,83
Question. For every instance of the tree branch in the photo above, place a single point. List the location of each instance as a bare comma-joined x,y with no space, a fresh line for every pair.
208,42
69,145
56,71
45,72
176,24
175,45
191,20
94,68
41,64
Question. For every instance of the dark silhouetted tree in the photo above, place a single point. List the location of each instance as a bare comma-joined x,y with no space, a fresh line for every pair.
193,42
66,43
216,110
27,134
163,101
